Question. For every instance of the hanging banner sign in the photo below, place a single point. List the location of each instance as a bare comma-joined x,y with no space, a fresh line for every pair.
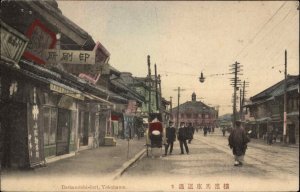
54,56
40,38
35,137
13,43
131,107
102,55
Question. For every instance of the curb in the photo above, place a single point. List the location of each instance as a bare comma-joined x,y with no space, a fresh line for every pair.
127,164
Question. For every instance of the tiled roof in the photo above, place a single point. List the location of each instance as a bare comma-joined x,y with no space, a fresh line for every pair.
194,107
277,89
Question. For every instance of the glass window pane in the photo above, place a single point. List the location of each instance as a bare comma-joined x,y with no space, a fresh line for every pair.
53,126
46,125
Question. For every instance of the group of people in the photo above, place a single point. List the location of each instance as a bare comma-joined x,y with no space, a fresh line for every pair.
237,140
184,135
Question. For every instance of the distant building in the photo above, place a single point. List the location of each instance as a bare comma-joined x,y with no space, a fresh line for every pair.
196,112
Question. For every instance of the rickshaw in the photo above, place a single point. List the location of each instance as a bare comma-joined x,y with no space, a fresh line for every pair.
155,136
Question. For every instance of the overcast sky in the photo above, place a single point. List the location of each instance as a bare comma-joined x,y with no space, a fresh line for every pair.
185,38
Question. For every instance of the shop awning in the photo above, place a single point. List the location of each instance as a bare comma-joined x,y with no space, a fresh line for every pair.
294,113
93,97
263,119
64,89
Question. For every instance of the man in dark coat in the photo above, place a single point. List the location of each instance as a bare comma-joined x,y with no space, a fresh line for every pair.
191,132
182,137
238,143
170,136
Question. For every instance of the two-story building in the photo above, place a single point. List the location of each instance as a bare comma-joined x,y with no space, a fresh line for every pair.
197,113
265,112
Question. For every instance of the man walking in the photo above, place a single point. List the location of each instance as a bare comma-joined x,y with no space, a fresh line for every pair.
191,132
238,143
170,136
182,137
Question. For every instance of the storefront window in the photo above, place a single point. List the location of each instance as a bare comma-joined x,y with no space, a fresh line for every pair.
0,89
50,125
46,125
53,126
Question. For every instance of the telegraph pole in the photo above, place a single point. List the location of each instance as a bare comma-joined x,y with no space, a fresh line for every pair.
242,100
177,119
285,98
149,84
171,107
157,106
236,68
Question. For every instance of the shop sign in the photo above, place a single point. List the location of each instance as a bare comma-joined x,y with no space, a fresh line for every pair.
35,142
65,91
54,56
40,38
102,55
13,43
131,107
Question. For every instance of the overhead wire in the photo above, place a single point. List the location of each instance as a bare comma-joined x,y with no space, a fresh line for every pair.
263,26
276,54
267,34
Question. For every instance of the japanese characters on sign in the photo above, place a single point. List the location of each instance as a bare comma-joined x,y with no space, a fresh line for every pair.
131,107
36,154
102,55
65,91
13,43
40,38
69,56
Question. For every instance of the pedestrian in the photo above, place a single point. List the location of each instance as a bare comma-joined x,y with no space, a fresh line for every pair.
270,137
223,131
170,136
238,143
191,131
205,129
182,137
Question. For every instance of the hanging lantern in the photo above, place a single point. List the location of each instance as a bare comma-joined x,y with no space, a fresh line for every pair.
201,78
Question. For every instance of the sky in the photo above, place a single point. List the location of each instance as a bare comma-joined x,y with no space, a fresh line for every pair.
185,38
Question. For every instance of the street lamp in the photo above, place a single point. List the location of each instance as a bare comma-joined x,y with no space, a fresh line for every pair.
201,78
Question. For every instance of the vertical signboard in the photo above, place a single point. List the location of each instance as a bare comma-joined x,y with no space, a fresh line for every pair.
40,38
35,139
13,43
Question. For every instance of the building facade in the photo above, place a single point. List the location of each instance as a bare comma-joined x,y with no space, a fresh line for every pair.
265,112
197,113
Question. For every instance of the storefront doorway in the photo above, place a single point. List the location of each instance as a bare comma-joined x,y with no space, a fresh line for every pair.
63,132
83,130
291,133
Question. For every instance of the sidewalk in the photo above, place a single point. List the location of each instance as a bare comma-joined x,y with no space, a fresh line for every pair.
102,161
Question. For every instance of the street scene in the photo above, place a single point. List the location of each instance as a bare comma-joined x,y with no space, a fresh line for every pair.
211,160
149,96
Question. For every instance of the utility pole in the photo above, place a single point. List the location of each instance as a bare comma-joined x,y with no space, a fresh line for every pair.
177,118
241,105
236,68
149,86
160,99
285,98
242,100
171,111
156,91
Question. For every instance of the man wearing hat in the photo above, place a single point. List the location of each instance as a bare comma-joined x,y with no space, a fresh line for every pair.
170,136
182,137
238,143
